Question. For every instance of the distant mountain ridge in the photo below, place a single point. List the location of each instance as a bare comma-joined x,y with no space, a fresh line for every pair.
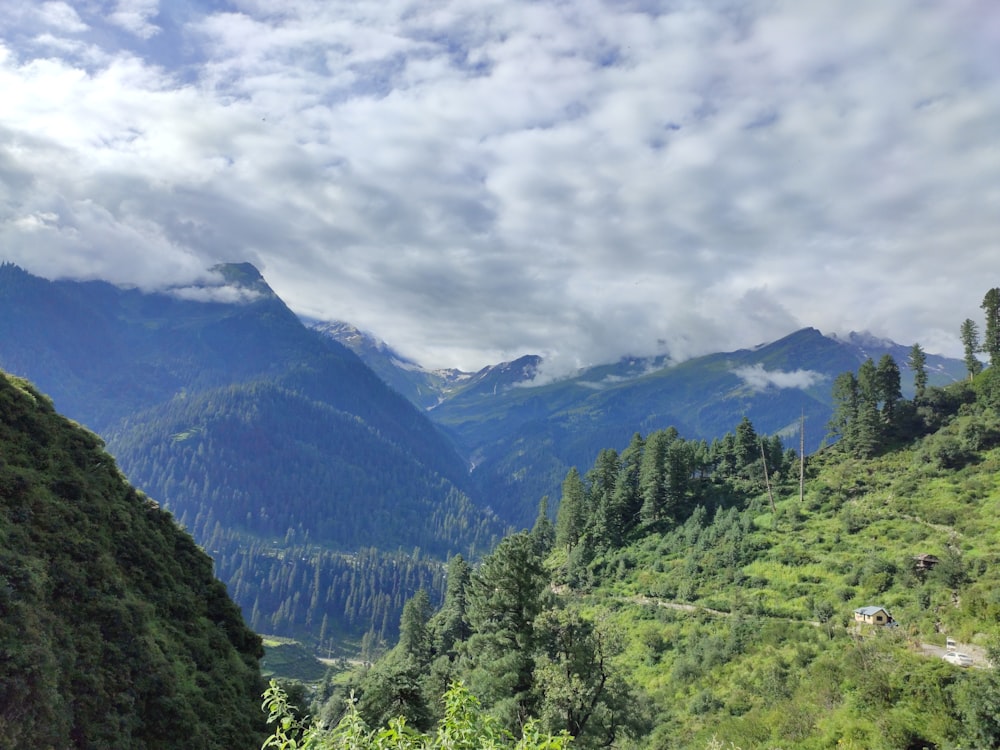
522,438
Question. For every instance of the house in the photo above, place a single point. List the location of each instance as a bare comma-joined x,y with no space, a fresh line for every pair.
873,616
923,563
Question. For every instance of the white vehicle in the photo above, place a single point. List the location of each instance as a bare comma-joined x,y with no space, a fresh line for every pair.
950,644
958,659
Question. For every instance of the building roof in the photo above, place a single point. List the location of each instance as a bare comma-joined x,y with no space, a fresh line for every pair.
869,611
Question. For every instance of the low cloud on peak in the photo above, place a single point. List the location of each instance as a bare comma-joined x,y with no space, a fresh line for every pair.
758,378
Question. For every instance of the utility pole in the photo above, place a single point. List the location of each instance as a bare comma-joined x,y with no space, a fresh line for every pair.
802,455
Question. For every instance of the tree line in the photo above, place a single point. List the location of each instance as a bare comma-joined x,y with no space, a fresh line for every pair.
320,596
525,654
655,484
870,414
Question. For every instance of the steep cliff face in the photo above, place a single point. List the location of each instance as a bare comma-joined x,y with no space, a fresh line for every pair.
114,633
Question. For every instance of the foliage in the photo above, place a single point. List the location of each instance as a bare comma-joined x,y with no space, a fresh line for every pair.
328,597
970,343
114,633
917,362
991,333
731,624
463,726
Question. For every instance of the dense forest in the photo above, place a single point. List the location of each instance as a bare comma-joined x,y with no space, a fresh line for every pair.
114,632
333,597
693,594
315,473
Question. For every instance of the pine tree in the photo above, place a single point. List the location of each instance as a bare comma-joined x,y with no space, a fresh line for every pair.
917,363
889,387
602,479
970,343
506,594
414,638
991,334
627,498
570,517
543,532
746,443
451,623
868,435
846,400
652,477
679,468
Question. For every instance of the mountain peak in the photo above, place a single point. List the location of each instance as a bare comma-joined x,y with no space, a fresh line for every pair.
231,283
242,275
865,339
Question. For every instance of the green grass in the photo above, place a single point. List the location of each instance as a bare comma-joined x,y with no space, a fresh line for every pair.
288,659
767,675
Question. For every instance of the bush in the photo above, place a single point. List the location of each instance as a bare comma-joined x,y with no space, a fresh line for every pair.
464,727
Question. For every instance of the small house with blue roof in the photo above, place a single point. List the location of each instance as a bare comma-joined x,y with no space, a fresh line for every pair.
873,616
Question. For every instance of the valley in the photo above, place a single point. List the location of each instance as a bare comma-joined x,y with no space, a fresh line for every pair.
676,561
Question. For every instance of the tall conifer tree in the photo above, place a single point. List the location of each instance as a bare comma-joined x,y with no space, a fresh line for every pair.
917,362
570,517
991,334
506,594
970,343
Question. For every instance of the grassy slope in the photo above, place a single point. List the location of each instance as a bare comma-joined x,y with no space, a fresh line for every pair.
763,671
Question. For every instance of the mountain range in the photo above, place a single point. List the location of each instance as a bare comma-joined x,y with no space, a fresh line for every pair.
521,437
306,461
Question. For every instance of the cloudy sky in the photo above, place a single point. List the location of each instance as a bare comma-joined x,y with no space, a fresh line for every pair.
472,180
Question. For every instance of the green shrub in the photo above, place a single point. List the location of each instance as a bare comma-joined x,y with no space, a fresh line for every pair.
465,726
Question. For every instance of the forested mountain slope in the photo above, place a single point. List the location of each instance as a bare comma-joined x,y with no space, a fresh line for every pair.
105,352
685,598
522,438
113,631
259,434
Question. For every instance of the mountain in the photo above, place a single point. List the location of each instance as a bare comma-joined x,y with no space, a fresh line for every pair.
105,352
522,438
425,388
252,429
709,605
113,630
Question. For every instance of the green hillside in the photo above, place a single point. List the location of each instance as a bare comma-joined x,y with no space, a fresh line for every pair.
113,631
684,599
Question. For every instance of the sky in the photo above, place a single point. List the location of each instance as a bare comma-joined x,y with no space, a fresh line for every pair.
474,180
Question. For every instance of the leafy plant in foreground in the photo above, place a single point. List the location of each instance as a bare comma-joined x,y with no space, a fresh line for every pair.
464,727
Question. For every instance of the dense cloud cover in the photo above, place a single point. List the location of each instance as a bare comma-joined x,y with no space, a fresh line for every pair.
472,181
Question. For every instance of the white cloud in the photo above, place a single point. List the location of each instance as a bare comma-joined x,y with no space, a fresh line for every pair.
475,181
136,17
226,294
758,378
60,16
